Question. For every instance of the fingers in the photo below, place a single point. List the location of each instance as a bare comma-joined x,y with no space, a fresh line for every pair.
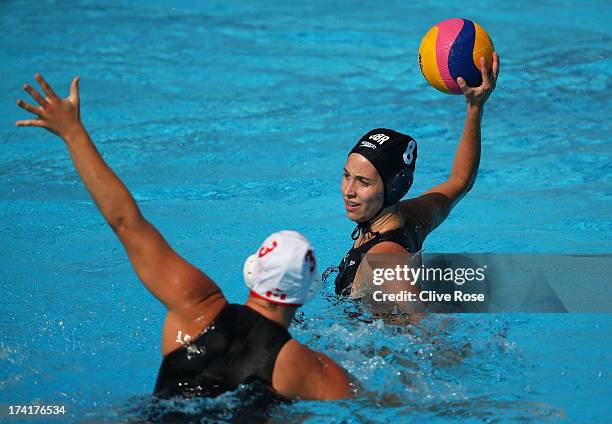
32,92
495,67
30,123
462,85
46,87
486,77
29,107
74,88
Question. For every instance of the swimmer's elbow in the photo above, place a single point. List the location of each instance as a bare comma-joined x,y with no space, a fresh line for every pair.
123,224
471,181
117,225
469,185
460,187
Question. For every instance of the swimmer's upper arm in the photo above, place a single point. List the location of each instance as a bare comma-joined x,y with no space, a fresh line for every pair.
303,373
179,285
360,285
431,208
397,255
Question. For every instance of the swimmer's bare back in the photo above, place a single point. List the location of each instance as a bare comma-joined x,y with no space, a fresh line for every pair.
192,299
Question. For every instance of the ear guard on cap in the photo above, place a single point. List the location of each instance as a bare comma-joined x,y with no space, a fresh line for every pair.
400,183
248,270
399,186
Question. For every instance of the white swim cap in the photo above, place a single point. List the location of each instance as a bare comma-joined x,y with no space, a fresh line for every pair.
283,270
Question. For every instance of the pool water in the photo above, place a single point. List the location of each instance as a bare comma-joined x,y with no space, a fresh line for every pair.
230,120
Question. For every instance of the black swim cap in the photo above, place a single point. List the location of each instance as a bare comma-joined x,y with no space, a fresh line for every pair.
393,154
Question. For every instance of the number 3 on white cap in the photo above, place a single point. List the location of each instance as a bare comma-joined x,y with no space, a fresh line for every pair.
310,258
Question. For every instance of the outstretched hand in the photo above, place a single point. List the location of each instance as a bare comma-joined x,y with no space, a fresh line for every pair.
60,116
477,96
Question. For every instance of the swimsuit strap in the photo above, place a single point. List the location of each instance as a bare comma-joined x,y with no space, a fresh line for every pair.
404,236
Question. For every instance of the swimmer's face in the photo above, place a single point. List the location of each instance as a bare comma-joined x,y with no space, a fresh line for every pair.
362,188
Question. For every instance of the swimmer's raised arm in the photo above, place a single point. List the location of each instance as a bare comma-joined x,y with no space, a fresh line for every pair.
432,207
175,282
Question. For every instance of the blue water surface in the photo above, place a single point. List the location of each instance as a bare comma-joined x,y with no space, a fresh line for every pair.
229,120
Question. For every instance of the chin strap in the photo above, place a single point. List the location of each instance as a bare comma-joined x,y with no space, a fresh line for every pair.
366,227
363,228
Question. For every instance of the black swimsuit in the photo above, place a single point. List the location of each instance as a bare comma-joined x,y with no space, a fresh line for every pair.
407,236
239,346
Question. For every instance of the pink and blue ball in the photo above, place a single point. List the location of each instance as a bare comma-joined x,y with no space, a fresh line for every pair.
452,49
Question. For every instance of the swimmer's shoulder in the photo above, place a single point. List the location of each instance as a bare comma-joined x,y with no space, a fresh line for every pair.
387,247
418,215
300,372
181,328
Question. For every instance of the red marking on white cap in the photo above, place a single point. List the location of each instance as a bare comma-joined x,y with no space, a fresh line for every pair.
257,295
276,293
265,250
311,259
